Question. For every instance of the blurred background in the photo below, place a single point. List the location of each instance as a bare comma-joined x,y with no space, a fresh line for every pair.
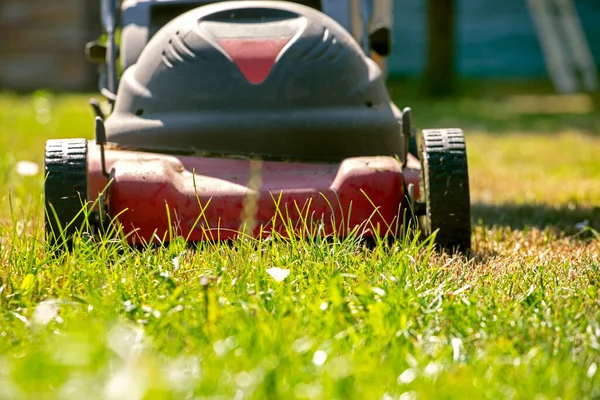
476,39
44,44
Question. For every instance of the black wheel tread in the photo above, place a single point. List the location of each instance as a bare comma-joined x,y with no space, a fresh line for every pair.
65,188
446,192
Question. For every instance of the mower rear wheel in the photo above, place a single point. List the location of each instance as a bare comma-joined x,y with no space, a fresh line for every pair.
445,188
65,189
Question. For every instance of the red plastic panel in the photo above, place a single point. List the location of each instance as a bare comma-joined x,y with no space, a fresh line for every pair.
208,198
359,193
254,57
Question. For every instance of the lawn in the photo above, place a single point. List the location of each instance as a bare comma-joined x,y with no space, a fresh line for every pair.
519,319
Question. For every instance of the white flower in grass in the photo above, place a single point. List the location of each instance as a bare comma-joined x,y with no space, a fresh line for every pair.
126,384
279,274
175,262
408,396
302,345
184,373
433,369
126,341
407,376
456,348
45,312
319,358
592,370
27,168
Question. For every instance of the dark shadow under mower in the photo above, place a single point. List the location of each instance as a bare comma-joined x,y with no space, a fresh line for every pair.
230,83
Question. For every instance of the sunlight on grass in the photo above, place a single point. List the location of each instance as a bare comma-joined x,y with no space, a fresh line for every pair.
551,104
319,320
535,168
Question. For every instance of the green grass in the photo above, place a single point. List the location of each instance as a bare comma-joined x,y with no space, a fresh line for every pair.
518,320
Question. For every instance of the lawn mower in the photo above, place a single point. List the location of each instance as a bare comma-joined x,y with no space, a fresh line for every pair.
245,119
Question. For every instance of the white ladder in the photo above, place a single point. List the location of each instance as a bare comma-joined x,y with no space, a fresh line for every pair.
566,50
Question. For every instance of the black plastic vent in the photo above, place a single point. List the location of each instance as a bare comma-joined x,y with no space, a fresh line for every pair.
177,51
245,15
327,47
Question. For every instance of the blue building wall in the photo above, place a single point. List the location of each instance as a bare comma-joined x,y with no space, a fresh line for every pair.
495,38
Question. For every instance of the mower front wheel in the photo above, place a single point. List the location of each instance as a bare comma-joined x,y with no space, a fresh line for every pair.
445,188
65,189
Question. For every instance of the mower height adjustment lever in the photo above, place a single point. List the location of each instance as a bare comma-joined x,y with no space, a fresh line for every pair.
407,132
100,131
97,109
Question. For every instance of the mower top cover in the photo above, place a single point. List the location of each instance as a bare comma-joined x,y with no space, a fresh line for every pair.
255,78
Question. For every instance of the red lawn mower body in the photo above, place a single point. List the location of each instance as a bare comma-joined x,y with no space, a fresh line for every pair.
231,82
202,198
